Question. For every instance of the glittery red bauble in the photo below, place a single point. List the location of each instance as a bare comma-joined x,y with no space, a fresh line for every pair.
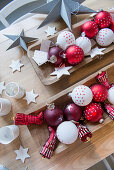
112,26
100,92
103,19
53,116
90,29
72,112
54,55
74,54
93,112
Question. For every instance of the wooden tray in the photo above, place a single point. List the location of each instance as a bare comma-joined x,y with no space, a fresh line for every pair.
40,133
45,70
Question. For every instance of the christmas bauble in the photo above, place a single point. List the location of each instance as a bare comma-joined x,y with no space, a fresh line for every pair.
81,95
67,132
100,92
54,56
103,19
105,37
111,95
93,112
90,29
72,112
53,115
65,39
74,55
112,26
84,43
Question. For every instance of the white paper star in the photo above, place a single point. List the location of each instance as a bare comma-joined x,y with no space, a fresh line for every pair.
40,57
22,154
16,65
96,51
30,97
2,87
50,31
60,71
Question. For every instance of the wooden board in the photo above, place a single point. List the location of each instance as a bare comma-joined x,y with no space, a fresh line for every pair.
45,70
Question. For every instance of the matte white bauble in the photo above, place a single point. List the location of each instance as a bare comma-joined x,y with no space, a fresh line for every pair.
111,95
105,37
65,39
67,132
84,43
81,95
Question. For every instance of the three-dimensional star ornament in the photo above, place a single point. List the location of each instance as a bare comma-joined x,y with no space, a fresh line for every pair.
22,154
61,8
2,87
30,97
60,71
96,51
16,65
50,31
20,40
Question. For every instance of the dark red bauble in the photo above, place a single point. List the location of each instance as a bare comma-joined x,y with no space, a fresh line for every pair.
54,56
103,19
94,112
74,55
100,92
112,26
72,112
53,116
90,28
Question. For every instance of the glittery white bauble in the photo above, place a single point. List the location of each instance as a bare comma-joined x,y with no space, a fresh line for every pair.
67,132
105,37
65,39
81,95
111,95
84,43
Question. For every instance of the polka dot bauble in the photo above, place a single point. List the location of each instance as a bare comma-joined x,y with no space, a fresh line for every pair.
67,132
103,19
81,95
105,37
93,112
111,95
100,92
65,39
74,55
84,43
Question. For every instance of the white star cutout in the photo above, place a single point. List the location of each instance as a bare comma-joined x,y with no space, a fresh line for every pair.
96,51
50,31
2,87
30,97
22,154
16,65
60,71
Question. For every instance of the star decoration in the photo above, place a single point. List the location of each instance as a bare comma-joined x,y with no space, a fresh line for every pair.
49,1
30,97
22,154
20,40
16,65
60,71
61,8
96,51
50,31
2,87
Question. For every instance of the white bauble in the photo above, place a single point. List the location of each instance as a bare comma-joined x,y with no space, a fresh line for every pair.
65,39
84,43
81,95
105,37
111,95
67,132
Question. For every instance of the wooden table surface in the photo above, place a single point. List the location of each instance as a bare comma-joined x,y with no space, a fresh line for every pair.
83,157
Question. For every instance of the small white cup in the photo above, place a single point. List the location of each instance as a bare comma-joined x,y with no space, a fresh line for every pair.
5,106
8,134
14,90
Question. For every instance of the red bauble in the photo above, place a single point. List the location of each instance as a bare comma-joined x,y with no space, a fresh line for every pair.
100,92
74,55
112,26
72,112
53,115
90,29
93,112
54,56
103,19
